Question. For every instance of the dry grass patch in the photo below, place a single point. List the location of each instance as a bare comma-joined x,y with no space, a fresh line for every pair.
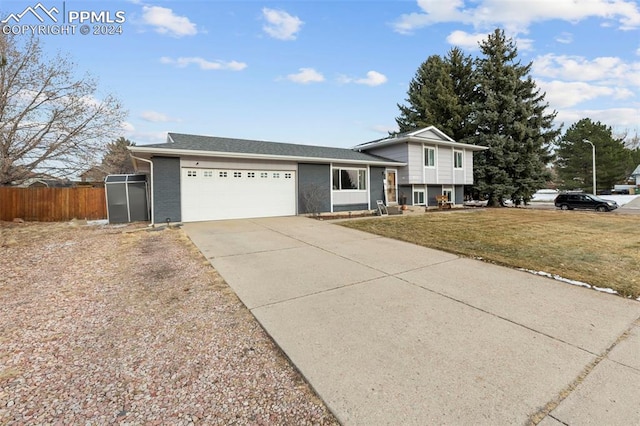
123,326
597,248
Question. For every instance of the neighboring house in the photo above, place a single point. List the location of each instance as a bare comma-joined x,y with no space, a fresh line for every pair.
198,178
636,174
93,176
46,183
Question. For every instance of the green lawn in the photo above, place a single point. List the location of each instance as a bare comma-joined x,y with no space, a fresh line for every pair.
602,249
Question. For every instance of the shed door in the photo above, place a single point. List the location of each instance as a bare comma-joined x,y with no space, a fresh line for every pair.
215,194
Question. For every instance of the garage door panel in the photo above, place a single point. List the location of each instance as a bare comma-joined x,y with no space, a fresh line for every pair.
214,194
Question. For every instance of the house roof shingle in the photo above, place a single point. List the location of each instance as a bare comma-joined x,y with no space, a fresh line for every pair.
179,142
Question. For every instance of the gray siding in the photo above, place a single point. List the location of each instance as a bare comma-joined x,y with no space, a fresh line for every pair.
405,191
376,186
432,192
314,188
398,152
166,189
349,207
458,192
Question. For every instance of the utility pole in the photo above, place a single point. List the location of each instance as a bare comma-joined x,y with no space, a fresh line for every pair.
593,147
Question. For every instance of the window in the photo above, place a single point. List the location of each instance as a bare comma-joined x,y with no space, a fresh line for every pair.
287,175
429,157
418,197
222,174
251,174
457,159
207,173
349,179
237,174
192,173
264,175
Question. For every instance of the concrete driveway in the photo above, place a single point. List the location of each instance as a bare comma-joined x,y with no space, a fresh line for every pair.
392,333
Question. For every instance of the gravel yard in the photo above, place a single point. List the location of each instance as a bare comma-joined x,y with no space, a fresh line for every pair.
103,325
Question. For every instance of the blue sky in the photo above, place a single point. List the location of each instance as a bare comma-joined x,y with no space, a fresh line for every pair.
331,72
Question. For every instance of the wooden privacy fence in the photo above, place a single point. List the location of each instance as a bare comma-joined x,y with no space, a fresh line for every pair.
52,204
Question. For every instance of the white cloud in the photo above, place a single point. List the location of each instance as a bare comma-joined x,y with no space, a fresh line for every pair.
517,16
166,22
385,130
305,76
156,117
619,118
606,69
280,24
561,94
564,38
466,40
469,41
373,78
127,127
204,64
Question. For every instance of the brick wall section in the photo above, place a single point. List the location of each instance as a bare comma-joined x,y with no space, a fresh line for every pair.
166,189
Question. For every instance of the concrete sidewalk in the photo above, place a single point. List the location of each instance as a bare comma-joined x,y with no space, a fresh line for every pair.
392,333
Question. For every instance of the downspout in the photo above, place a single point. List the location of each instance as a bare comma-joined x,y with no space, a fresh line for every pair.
151,173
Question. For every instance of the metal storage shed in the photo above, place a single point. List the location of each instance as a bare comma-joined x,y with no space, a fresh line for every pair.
127,198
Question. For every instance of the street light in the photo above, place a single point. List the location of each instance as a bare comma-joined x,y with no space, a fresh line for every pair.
594,163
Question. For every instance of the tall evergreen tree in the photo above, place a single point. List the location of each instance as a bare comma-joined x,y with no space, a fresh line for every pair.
614,161
439,95
509,116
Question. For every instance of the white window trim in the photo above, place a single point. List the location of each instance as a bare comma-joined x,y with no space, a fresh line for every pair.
358,169
422,189
424,154
451,190
456,151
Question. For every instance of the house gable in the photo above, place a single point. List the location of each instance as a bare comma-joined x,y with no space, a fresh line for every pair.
431,133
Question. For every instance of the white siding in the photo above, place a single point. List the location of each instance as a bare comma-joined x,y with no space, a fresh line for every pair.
468,167
430,175
415,166
444,164
350,197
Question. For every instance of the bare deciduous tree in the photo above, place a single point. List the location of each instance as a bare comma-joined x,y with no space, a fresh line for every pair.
51,121
312,199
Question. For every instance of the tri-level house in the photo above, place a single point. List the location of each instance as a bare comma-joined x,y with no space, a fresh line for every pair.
198,178
434,165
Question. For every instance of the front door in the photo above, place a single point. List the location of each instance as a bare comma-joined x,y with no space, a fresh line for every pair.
391,187
448,192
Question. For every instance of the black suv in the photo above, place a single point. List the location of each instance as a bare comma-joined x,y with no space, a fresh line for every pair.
571,201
